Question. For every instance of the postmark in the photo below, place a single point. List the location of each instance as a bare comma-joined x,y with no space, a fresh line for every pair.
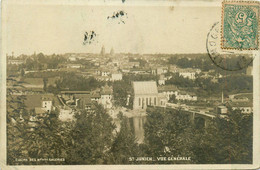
240,25
226,59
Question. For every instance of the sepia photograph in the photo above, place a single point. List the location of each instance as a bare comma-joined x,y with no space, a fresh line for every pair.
127,83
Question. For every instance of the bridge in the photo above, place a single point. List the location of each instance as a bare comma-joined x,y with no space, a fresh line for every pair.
199,118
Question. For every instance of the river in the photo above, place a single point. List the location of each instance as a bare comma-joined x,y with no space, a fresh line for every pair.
136,125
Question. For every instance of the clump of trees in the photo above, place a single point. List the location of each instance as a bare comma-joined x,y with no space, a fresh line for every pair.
234,83
223,141
41,61
72,81
203,62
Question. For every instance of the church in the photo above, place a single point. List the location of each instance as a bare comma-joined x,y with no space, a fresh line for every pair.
145,94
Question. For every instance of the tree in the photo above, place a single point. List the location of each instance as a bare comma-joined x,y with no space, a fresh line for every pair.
45,83
226,141
92,137
168,133
120,93
173,98
125,144
45,138
30,135
22,72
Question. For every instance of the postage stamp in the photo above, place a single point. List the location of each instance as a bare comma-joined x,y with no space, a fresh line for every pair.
240,25
223,58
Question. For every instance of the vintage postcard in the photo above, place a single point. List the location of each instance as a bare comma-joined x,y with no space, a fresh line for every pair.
127,84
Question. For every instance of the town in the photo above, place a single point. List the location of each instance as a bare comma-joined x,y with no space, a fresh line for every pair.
127,84
120,81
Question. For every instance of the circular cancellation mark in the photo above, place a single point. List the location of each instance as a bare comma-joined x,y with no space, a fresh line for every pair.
230,60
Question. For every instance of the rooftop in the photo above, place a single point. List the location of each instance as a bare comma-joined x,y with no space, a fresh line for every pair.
167,88
34,100
145,87
75,92
241,104
34,81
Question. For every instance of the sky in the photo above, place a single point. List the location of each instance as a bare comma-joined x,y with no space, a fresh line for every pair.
148,29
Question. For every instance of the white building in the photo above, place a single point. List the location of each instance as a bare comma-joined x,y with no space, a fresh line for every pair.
116,77
145,93
66,114
186,96
105,73
168,90
221,109
245,107
161,82
72,58
74,65
189,75
47,104
162,98
106,97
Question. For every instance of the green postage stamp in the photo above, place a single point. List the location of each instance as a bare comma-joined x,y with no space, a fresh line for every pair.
240,25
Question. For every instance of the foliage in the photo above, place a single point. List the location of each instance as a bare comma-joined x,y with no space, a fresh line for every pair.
205,87
120,93
91,137
170,136
229,139
222,141
125,144
76,82
139,77
173,98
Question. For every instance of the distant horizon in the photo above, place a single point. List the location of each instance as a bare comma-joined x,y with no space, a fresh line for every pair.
15,56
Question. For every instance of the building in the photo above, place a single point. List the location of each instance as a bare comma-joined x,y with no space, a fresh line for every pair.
71,98
116,76
34,85
244,107
161,80
145,93
185,96
66,114
187,74
133,64
39,104
15,61
83,101
74,66
168,90
106,96
105,73
221,109
159,70
47,103
72,58
162,98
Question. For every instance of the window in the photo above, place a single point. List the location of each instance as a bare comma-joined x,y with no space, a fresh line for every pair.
146,101
155,101
139,101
